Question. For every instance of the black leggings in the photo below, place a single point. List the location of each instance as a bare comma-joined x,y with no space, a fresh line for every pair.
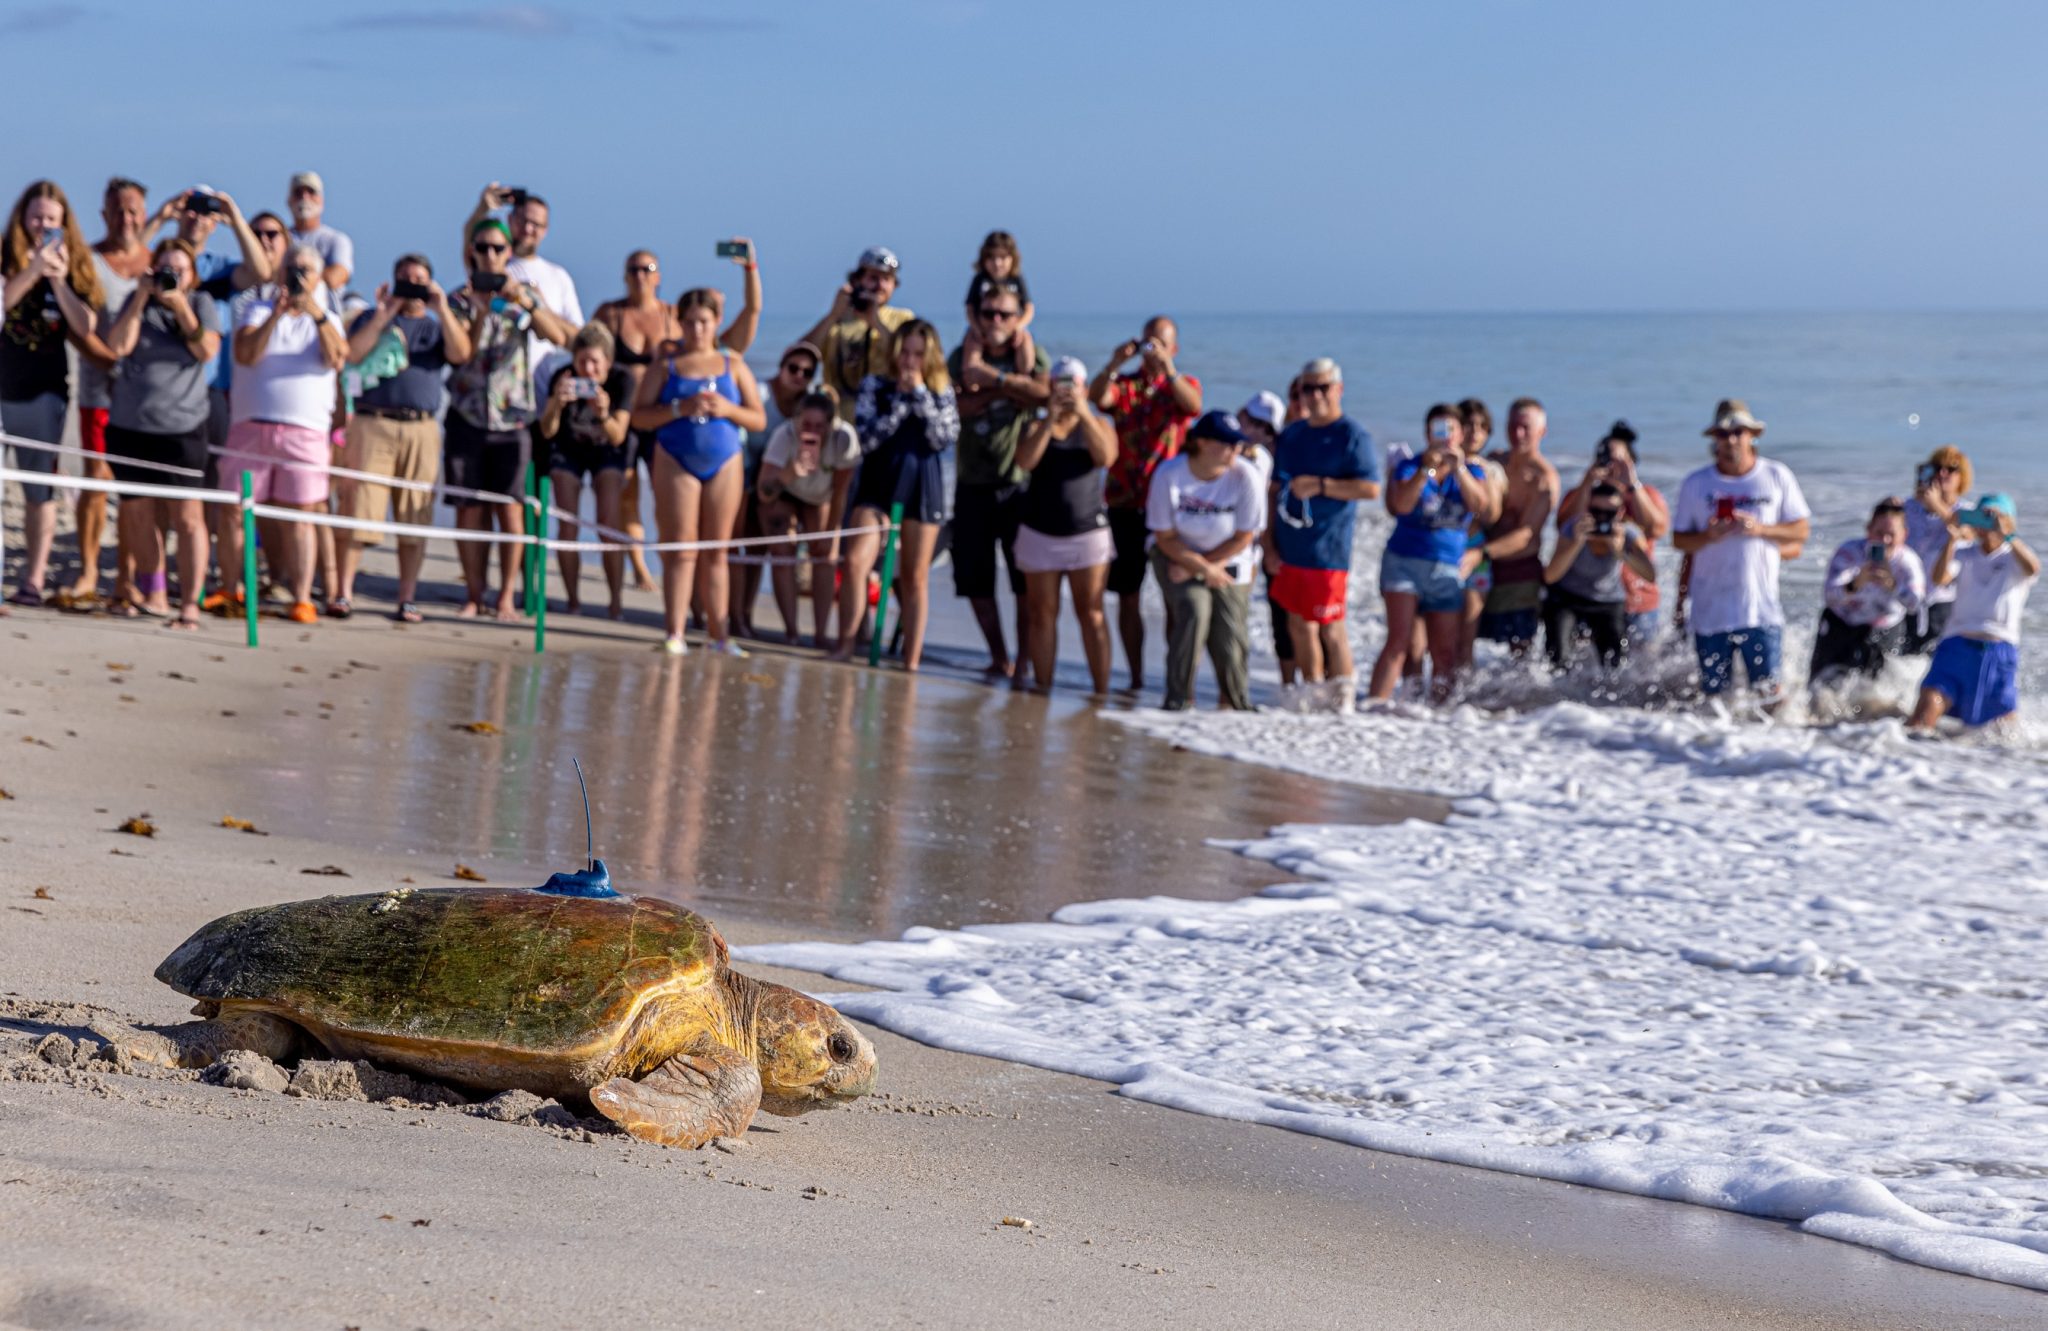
1564,613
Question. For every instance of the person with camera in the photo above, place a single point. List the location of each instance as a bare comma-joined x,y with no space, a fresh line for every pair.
1974,675
1875,585
289,348
582,434
1739,518
1939,485
906,421
164,339
999,390
52,297
492,399
1582,583
1614,463
1436,499
857,334
1063,528
1323,465
806,477
412,337
307,199
697,409
1206,508
1151,405
527,217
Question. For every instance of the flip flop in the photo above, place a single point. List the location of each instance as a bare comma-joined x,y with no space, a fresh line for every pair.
408,613
26,596
339,608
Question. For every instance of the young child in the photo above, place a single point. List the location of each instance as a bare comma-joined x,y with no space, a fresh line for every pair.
1974,675
999,267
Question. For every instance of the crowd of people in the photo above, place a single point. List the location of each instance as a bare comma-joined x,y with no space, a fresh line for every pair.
199,367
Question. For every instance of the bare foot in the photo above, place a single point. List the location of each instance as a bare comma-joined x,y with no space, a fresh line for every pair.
158,607
843,652
187,620
85,589
616,611
999,669
574,608
470,609
508,605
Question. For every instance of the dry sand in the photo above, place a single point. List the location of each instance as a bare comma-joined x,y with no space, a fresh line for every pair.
155,1201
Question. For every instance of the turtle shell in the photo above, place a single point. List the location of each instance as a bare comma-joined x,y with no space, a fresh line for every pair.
503,968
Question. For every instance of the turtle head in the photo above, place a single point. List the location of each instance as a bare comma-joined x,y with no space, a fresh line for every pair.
808,1055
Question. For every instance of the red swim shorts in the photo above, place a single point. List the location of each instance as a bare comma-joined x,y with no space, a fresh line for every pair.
1315,594
92,429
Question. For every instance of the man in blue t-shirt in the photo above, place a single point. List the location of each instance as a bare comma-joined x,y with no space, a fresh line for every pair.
1322,466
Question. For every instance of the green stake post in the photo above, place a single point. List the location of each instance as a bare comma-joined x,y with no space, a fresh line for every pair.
249,597
888,576
540,566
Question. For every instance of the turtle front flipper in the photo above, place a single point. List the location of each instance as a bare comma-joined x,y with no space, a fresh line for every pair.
195,1044
703,1092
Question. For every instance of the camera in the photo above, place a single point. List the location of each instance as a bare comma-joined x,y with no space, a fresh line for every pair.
1603,524
412,291
516,196
164,279
857,295
202,204
486,283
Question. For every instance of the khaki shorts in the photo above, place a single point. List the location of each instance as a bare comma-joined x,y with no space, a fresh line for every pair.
405,450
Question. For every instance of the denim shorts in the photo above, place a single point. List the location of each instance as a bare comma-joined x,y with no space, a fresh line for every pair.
1435,586
1759,648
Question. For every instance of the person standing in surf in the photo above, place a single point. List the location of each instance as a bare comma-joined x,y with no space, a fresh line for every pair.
1974,675
1514,539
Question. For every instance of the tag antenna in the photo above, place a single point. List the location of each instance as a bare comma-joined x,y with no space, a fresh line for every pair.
589,839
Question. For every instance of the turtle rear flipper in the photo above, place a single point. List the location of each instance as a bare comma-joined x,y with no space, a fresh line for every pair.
703,1092
196,1044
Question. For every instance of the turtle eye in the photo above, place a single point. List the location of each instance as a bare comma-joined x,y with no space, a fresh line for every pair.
840,1048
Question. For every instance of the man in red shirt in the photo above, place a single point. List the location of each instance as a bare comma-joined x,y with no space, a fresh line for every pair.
1151,406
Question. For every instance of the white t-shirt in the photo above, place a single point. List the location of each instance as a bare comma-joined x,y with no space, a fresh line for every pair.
840,450
1735,580
291,385
1873,605
557,291
1205,514
1991,593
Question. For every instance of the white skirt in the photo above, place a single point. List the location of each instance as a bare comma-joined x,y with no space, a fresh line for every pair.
1038,553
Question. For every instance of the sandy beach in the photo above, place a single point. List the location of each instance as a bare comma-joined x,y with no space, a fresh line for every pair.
137,1200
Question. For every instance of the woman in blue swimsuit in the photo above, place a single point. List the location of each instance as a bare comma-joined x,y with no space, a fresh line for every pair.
696,407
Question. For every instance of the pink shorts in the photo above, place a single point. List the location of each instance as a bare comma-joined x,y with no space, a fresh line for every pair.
262,447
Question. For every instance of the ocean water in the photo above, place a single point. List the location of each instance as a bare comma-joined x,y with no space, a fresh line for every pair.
1784,966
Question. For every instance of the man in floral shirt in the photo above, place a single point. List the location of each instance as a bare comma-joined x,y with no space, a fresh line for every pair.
491,402
1152,406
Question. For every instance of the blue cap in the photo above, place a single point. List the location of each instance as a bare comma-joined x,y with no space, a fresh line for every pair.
2000,503
1217,425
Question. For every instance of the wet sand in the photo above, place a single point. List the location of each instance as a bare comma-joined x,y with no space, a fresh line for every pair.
138,1201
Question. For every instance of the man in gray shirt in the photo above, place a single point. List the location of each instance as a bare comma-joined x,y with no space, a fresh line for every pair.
308,198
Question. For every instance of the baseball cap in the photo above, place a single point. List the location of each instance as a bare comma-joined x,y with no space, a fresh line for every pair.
1266,407
1999,502
1217,425
308,180
878,256
1069,367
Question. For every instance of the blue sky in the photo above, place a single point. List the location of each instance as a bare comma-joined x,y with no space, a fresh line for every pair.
1461,155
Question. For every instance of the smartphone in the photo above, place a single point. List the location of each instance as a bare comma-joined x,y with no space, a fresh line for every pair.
1724,510
1877,553
734,249
582,389
412,290
516,195
1603,455
486,283
1977,517
294,282
1923,476
51,235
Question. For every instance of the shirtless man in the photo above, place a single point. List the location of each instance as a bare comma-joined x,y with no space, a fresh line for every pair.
1514,543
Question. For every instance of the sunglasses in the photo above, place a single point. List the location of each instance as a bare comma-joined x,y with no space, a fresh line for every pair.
486,247
799,369
1729,434
999,314
269,233
1323,387
643,268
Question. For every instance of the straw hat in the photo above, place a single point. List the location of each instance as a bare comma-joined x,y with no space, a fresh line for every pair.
1733,414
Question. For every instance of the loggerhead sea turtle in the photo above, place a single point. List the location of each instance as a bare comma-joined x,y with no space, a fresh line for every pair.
569,990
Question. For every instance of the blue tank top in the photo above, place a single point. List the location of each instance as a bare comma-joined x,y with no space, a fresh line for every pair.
1435,528
711,437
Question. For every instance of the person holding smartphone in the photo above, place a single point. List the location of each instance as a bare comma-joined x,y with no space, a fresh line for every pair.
1974,675
1206,508
1875,586
1939,485
582,437
395,430
857,333
1582,583
1739,517
52,296
1063,528
806,478
1436,499
1614,463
